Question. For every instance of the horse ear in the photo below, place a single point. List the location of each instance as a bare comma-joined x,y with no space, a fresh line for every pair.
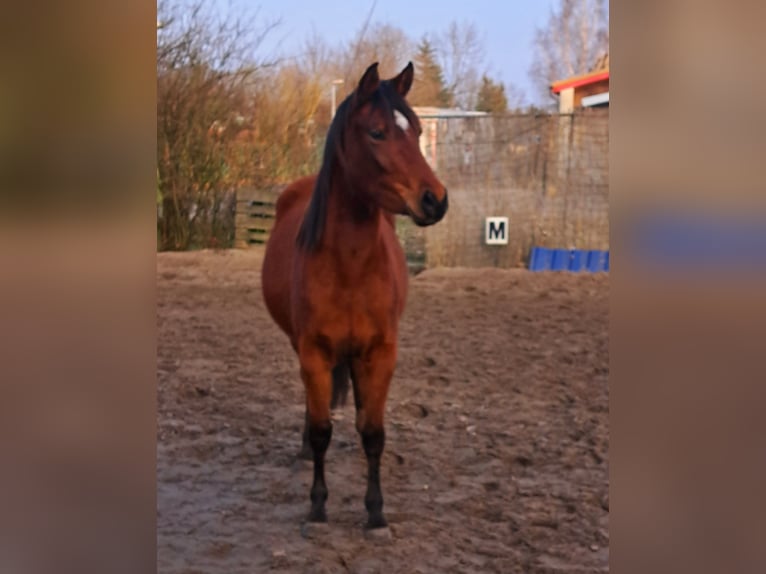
403,82
368,83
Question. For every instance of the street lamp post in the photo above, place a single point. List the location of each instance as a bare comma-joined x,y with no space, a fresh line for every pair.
335,84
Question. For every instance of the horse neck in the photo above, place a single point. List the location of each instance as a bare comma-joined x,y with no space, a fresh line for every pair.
353,224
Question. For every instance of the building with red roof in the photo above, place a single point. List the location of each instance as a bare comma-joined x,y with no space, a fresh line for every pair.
584,91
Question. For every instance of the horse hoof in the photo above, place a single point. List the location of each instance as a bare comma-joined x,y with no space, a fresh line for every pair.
379,535
314,530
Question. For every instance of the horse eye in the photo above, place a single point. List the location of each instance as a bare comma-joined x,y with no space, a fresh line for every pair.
376,134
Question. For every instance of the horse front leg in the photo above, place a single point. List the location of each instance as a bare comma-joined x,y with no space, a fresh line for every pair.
340,374
371,377
306,453
315,372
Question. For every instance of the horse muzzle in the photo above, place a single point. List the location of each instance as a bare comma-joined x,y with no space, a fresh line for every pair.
431,208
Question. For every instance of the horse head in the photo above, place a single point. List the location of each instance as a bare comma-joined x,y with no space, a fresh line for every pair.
383,159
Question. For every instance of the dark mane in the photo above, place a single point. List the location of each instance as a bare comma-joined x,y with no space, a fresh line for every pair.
312,227
313,224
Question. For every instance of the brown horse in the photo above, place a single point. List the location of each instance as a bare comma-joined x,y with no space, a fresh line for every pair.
335,276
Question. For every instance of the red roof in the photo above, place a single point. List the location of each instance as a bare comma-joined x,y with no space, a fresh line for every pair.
577,81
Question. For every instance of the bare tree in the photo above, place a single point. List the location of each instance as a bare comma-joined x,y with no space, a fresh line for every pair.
205,65
576,35
316,56
353,59
194,33
461,55
383,43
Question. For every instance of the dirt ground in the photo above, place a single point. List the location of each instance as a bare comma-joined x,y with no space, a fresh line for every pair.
497,440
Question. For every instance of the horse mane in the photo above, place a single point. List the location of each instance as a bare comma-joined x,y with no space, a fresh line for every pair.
313,225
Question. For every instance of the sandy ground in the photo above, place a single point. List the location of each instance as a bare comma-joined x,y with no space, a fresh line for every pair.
497,429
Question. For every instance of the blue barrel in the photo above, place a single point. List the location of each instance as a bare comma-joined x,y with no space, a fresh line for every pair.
560,260
540,259
576,260
596,261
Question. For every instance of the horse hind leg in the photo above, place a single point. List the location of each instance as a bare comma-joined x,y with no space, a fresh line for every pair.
340,384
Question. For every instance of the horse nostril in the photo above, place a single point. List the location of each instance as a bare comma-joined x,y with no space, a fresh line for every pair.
429,203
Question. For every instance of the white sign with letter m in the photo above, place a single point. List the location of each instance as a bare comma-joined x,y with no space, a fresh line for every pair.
496,231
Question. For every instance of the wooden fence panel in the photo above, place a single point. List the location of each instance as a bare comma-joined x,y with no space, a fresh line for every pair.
255,215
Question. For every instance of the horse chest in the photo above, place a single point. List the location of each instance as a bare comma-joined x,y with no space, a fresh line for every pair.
373,309
351,317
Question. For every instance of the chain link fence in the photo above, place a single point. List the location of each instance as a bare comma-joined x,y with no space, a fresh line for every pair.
549,174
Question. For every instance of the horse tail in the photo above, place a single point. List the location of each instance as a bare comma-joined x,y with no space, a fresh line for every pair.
340,384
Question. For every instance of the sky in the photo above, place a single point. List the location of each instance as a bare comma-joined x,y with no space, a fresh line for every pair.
507,26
